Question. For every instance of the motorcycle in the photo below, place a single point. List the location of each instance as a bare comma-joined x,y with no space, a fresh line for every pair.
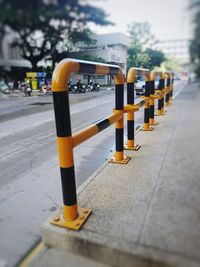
82,88
96,87
46,90
27,90
79,88
93,87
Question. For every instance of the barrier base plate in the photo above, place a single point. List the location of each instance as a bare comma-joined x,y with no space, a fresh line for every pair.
162,114
58,220
135,148
154,124
124,161
147,130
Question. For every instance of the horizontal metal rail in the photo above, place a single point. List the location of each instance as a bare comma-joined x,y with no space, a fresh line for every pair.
94,129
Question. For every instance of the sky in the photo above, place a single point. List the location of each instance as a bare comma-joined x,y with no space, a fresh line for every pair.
169,19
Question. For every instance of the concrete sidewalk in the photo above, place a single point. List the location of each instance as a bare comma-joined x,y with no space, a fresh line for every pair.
145,213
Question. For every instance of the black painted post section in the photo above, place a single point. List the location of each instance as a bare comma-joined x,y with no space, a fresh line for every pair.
119,105
152,109
130,121
146,106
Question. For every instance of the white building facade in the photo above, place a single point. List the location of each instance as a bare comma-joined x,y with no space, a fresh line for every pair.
176,48
10,57
112,48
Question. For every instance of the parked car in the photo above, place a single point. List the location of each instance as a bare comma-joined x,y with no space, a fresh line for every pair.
4,87
177,78
140,85
156,83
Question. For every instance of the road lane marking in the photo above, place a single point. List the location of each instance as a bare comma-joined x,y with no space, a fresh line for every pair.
38,249
179,90
75,111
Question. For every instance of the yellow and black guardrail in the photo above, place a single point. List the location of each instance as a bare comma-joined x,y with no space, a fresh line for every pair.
71,216
148,101
131,107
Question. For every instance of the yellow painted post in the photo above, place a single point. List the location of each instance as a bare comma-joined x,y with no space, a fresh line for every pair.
70,216
163,97
131,145
168,88
152,121
161,93
172,87
146,126
119,125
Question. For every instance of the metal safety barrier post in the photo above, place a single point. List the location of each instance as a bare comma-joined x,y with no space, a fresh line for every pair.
172,87
160,110
163,98
168,88
154,94
130,109
72,216
148,83
152,103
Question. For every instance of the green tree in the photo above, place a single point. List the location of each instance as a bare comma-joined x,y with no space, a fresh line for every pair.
171,64
138,56
156,57
45,27
140,34
133,57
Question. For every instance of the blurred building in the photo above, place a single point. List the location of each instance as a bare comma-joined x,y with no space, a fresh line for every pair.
177,49
112,48
10,57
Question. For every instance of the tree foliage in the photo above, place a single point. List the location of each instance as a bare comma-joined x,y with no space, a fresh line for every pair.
44,27
140,33
138,54
195,43
171,64
156,57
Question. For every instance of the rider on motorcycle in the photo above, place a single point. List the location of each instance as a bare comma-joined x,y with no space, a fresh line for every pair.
79,85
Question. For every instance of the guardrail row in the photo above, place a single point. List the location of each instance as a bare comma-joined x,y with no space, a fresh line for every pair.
71,215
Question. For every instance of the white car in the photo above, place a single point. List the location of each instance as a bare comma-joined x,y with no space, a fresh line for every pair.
140,86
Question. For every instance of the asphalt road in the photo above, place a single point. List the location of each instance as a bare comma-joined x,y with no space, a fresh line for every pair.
30,187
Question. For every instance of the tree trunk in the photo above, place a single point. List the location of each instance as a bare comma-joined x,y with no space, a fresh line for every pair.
34,65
